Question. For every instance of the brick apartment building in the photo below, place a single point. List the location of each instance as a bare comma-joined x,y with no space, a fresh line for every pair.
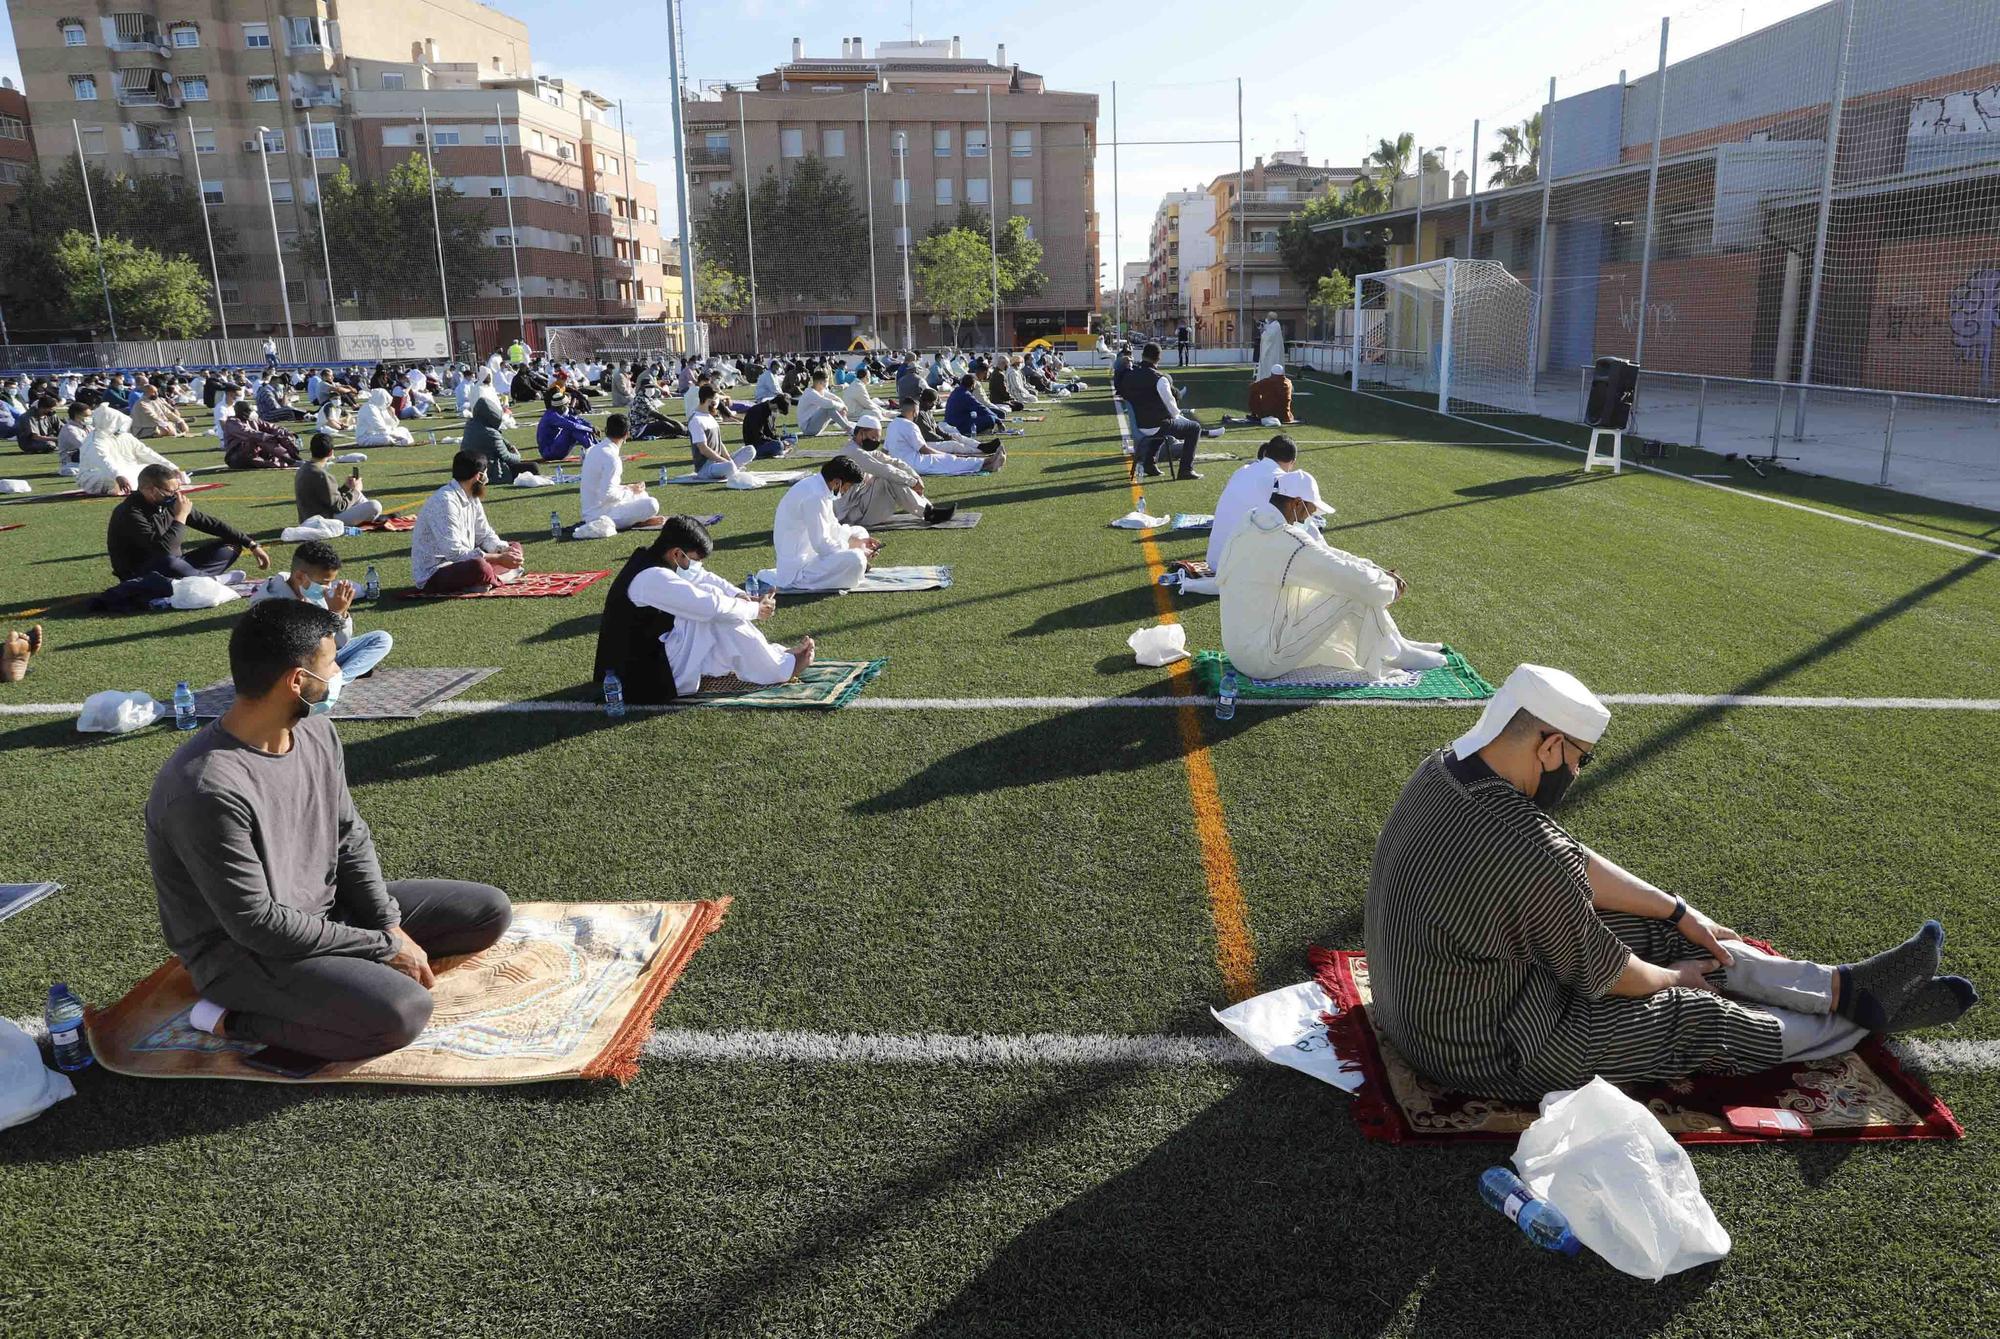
1247,256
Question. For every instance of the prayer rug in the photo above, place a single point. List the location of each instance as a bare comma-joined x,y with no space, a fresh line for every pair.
1215,455
569,992
388,524
533,585
1864,1094
1193,520
16,526
963,520
768,476
386,695
1454,681
881,579
78,492
826,684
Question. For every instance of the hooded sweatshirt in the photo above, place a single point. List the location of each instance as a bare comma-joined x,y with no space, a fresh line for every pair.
112,453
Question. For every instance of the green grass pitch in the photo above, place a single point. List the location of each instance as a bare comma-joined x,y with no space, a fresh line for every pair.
1005,870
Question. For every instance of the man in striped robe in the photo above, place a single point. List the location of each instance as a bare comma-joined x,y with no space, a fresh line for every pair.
1508,959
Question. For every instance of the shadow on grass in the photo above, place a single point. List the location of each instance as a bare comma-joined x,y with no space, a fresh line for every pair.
1120,606
155,626
438,744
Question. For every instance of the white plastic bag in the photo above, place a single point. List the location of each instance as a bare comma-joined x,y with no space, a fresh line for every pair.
1139,520
601,528
1160,645
526,480
16,486
319,527
1269,422
1628,1190
114,713
201,593
358,457
27,1086
742,478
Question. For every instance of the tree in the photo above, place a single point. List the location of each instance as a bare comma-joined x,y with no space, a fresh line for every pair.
809,232
1021,273
718,294
955,269
1333,292
380,236
1389,163
1310,255
154,296
1518,159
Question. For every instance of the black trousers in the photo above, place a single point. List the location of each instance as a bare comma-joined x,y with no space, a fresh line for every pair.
341,1008
157,582
1154,445
1183,349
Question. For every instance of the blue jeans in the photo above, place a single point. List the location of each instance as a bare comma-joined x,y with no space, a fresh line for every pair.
363,653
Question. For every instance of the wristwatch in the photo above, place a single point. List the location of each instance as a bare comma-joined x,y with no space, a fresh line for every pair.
1680,910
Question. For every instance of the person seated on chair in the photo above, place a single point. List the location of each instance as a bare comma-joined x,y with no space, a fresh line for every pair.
967,413
269,889
71,437
454,547
560,433
274,400
1291,601
602,494
1508,959
250,443
484,439
36,431
155,416
376,424
905,441
888,487
1161,421
315,579
760,426
112,457
316,495
942,435
1271,397
814,550
669,623
820,410
145,535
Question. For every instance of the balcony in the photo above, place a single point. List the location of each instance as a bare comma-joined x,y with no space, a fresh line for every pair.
1256,253
703,156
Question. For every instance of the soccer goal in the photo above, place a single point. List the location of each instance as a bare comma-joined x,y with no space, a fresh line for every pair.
1461,332
635,341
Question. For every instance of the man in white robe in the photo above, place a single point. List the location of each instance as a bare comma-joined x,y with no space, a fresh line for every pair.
1270,341
859,397
375,422
820,410
815,551
112,457
714,631
1291,601
1249,487
602,494
905,441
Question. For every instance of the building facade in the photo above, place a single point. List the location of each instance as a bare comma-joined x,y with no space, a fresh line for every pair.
1245,274
1178,247
1036,160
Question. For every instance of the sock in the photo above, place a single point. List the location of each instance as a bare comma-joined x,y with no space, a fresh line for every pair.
1940,1000
1873,989
207,1015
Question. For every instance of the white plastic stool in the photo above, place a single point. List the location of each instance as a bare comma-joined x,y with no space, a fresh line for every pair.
1617,456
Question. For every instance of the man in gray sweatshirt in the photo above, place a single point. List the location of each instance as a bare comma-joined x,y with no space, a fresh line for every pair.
268,886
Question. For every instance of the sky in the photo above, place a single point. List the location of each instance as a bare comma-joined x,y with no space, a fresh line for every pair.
1328,78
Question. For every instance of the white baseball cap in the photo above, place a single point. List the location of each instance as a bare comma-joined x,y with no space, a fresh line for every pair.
868,421
1300,484
1555,697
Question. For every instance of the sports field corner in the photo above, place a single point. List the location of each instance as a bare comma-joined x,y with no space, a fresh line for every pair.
947,1067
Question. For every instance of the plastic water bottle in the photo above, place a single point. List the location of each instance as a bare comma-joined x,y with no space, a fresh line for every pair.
614,697
663,476
1539,1220
373,589
351,530
753,587
184,718
64,1017
1225,701
555,525
1140,506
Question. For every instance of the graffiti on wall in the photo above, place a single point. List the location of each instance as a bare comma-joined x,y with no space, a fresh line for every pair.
1660,314
1975,316
1972,112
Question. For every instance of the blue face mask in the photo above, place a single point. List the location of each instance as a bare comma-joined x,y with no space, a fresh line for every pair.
314,594
333,683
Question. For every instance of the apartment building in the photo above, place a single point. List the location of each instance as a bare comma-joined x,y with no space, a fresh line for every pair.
1178,246
1036,160
17,146
1245,263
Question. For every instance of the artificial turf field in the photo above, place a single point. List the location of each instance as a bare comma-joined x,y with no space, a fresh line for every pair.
979,867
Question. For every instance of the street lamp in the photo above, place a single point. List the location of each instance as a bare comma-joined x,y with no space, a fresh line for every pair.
264,157
901,142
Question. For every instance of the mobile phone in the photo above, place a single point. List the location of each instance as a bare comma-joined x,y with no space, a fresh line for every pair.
284,1062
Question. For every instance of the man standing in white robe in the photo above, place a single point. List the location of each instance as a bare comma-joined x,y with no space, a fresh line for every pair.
602,494
1291,601
1270,341
815,551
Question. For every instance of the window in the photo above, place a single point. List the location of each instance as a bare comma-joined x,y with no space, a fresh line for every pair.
902,239
204,142
1264,285
256,36
792,143
263,90
571,198
11,128
230,294
899,145
975,190
73,34
93,139
12,174
600,204
833,144
1020,143
83,87
194,88
301,33
444,138
944,190
295,290
184,36
496,191
941,143
325,141
975,142
392,80
606,163
281,192
211,191
899,191
1024,191
601,245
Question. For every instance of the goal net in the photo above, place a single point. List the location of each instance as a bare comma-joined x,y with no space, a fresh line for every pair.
624,343
1457,332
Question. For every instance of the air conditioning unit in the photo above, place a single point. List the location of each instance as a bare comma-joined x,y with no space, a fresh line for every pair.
300,104
252,146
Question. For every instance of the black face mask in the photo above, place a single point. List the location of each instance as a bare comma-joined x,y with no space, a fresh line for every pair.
1555,783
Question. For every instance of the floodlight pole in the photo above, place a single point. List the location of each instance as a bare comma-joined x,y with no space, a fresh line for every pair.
513,239
1242,243
284,294
1825,214
868,168
325,250
901,143
681,177
1652,197
83,172
208,231
992,218
1117,253
749,233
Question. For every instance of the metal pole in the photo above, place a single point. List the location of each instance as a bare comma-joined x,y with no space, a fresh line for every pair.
1444,357
1825,212
284,292
1417,239
629,170
325,250
1652,198
1117,252
868,169
1354,350
507,192
681,175
992,216
902,146
1888,440
1242,241
215,271
749,232
1472,196
437,227
1542,238
1700,410
83,171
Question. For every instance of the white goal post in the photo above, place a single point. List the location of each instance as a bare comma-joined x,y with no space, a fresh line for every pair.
624,343
1461,330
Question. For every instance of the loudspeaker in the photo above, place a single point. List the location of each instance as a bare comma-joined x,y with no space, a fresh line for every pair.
1612,387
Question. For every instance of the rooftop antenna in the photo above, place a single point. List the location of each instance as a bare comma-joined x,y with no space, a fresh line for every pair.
913,20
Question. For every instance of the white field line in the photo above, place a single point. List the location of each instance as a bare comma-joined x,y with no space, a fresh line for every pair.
1016,1050
1954,546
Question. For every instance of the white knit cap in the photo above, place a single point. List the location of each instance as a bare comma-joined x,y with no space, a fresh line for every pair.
1555,697
868,421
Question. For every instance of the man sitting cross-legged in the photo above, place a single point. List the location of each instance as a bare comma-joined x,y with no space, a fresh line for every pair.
111,458
315,579
1508,959
711,459
905,441
251,443
1291,601
454,547
268,885
1250,487
760,427
315,493
155,416
561,433
602,494
820,411
815,551
144,540
375,424
942,435
669,622
888,486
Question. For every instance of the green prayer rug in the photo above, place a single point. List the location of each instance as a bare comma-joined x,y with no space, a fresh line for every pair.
826,684
1454,681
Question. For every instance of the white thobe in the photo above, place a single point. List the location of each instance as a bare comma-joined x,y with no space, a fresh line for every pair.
1249,487
767,384
905,442
715,628
858,401
814,550
1271,344
1291,601
111,453
604,495
375,422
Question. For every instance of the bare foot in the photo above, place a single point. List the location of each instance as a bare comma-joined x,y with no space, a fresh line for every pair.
802,657
16,648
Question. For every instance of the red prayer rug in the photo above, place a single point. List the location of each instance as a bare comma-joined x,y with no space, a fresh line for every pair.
16,526
1864,1094
78,492
531,586
387,523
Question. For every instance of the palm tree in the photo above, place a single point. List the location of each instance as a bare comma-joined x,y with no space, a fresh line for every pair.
1518,159
1388,164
